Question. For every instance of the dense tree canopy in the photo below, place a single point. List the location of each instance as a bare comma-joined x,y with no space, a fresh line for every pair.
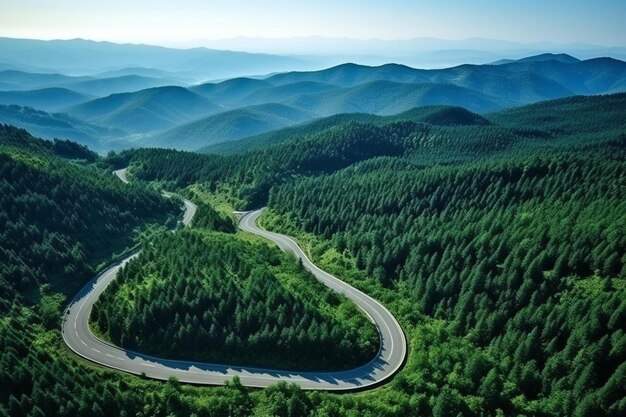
212,297
499,246
524,255
339,142
60,219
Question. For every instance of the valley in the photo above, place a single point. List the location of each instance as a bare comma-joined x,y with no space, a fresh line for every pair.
203,232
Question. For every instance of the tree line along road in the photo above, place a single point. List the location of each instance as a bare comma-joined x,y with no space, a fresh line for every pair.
390,358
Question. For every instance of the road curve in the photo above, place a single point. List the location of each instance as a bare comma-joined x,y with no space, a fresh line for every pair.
393,349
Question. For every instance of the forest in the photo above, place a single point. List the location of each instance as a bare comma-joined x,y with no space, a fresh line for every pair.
232,301
507,237
427,137
526,257
61,218
498,243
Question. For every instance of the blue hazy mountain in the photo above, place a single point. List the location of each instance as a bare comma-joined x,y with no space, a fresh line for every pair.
48,99
243,107
230,92
61,126
378,97
389,97
145,110
88,57
23,81
547,77
227,126
564,58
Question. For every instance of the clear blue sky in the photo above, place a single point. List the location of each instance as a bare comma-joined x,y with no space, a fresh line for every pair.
158,21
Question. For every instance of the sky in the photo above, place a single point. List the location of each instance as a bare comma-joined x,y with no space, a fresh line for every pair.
165,22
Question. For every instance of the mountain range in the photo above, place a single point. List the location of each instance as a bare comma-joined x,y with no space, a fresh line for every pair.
192,117
80,57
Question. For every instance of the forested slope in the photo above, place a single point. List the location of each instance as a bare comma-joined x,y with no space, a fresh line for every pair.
500,246
435,115
60,219
523,257
250,175
231,301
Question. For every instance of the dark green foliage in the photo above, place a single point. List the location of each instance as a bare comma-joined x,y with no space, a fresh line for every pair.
227,303
501,249
588,117
20,138
435,115
252,174
73,150
59,220
208,218
39,378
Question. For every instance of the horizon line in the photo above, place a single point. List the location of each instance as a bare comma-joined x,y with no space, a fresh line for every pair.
169,43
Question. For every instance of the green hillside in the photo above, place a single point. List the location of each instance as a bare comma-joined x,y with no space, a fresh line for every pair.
497,240
62,219
253,306
594,115
511,290
435,115
499,245
337,142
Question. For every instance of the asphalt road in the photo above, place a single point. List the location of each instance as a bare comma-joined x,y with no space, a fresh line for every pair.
393,349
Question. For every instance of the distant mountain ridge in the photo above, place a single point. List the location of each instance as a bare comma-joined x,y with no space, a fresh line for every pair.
23,81
147,110
91,57
48,99
227,126
564,58
197,116
60,126
392,89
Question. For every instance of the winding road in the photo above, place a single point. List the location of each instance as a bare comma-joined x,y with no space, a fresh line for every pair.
391,355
